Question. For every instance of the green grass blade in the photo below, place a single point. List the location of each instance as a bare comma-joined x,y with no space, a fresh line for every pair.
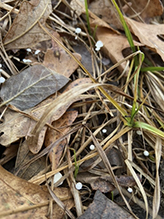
152,68
87,16
149,128
126,29
136,81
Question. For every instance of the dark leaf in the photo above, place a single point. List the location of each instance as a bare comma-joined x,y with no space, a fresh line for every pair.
31,86
102,207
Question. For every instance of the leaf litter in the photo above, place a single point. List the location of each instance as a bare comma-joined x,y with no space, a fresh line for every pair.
51,121
25,30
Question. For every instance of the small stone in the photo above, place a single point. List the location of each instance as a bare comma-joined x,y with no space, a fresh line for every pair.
79,185
139,132
146,153
2,80
77,30
92,147
130,190
104,131
58,176
27,61
37,52
28,50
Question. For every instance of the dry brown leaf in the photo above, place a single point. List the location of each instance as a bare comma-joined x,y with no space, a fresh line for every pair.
25,31
24,156
24,199
102,207
62,125
124,181
60,61
77,82
94,20
145,9
9,153
113,45
106,12
17,125
148,35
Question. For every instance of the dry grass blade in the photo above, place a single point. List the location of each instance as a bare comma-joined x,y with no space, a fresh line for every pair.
139,202
121,133
109,168
41,178
143,173
156,197
156,88
128,163
60,203
130,139
75,192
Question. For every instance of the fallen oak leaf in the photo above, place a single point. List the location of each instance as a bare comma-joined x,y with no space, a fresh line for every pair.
144,9
31,86
148,35
138,9
113,45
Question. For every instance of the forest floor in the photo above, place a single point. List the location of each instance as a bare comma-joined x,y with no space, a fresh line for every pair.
82,109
